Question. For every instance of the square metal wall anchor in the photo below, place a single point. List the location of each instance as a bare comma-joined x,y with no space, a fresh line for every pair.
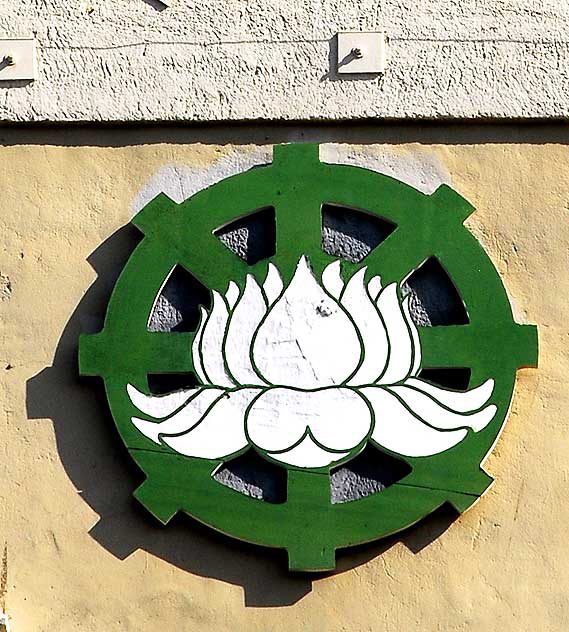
361,53
18,59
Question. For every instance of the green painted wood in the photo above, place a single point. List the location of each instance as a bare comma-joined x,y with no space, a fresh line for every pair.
297,184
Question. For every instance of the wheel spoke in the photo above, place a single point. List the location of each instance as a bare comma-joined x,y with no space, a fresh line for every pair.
152,351
212,263
455,346
395,258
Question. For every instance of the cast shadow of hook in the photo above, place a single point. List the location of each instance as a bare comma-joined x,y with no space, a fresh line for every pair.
157,4
103,474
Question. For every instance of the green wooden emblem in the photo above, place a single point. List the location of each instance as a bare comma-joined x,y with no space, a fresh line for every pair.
307,359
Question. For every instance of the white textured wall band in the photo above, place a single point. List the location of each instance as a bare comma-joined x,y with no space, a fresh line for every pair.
128,61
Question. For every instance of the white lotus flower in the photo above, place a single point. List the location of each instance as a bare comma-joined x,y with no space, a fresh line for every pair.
307,375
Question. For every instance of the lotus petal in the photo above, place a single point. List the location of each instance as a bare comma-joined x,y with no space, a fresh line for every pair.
400,431
337,418
232,294
184,419
243,323
211,345
430,411
221,432
400,342
307,339
332,279
374,287
372,331
416,343
273,284
196,355
461,402
308,454
159,406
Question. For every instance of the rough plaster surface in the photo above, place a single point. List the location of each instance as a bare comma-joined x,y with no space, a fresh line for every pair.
252,237
196,61
81,555
369,473
253,476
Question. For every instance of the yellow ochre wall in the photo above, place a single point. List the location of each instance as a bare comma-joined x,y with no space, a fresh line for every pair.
77,553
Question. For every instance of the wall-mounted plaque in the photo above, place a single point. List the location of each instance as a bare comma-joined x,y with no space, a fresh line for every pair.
307,360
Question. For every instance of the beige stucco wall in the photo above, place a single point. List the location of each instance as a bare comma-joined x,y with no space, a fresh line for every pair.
79,554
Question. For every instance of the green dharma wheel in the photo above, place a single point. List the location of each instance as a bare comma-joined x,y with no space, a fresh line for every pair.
306,359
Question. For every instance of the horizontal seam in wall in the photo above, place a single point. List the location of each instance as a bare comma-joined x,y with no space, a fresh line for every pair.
310,41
